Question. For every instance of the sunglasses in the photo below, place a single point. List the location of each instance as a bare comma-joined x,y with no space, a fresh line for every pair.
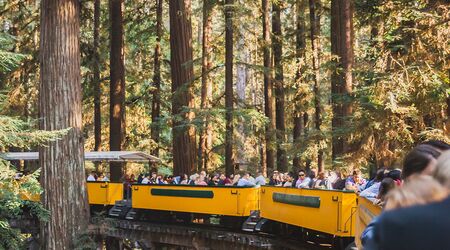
301,175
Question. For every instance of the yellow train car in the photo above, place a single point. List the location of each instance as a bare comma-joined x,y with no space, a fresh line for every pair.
364,215
216,200
328,211
104,193
99,193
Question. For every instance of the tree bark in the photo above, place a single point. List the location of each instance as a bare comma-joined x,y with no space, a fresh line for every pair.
229,168
156,102
314,10
206,133
300,51
117,85
96,80
277,46
341,78
62,161
184,155
269,100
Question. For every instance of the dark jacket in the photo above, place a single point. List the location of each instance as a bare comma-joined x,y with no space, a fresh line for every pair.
417,227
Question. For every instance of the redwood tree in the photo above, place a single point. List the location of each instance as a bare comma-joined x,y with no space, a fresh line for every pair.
229,168
184,155
314,10
299,124
269,101
341,78
156,102
62,161
96,79
277,45
117,85
206,134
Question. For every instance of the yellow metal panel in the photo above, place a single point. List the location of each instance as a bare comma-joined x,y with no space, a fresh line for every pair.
231,201
364,215
104,193
333,215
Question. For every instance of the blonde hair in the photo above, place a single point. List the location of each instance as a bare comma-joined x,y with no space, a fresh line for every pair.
419,189
442,173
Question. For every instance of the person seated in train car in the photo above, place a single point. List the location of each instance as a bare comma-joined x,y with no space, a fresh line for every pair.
200,180
419,226
106,177
280,180
184,179
153,178
373,186
260,179
302,181
146,179
235,180
245,181
168,179
289,179
421,159
339,183
140,178
355,182
91,176
100,177
322,181
273,180
214,180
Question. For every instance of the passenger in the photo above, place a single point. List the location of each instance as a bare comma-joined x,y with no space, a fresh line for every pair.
224,181
91,176
193,178
339,184
105,177
184,179
371,192
260,179
418,190
159,180
214,180
153,178
273,181
100,177
200,181
289,180
322,182
235,180
169,180
355,182
146,179
422,159
386,185
302,181
280,179
245,181
140,178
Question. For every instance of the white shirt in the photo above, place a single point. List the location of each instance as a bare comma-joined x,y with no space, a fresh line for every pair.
304,183
245,183
145,181
91,178
105,179
260,180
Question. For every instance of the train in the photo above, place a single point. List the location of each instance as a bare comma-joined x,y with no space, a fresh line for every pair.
332,218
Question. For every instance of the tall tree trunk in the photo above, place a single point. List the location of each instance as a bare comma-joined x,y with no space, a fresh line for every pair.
300,51
269,100
184,155
277,45
314,10
62,161
96,79
206,133
117,85
341,78
229,168
156,102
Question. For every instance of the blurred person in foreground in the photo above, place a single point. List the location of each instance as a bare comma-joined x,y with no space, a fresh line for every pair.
425,226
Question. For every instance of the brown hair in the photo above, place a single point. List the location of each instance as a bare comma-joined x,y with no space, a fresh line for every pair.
419,189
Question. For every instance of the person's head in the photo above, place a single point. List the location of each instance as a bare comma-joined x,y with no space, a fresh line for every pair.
236,178
231,176
275,174
438,145
379,175
246,176
203,173
395,174
301,174
93,173
356,175
222,177
421,160
419,189
147,175
153,174
386,185
215,178
442,173
321,176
